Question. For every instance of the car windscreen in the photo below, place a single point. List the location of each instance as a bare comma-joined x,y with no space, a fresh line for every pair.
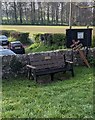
16,44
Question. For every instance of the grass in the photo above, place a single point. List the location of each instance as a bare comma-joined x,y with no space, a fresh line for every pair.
71,98
38,29
39,47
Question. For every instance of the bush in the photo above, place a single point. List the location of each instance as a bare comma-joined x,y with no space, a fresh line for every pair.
39,47
93,41
54,47
37,37
11,39
91,60
7,32
14,35
22,37
50,39
59,39
33,46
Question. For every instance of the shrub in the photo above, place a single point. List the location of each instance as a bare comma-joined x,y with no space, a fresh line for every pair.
37,37
54,47
59,39
91,60
50,39
93,41
14,35
23,37
33,46
7,32
11,39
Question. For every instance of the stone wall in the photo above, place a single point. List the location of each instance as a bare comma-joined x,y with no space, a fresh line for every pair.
13,66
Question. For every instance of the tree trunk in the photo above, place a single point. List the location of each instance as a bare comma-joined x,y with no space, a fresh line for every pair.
15,12
6,7
34,12
48,13
62,10
94,14
26,15
20,12
1,14
41,14
57,13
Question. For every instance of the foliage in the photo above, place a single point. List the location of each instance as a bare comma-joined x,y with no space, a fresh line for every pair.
15,65
33,46
93,41
57,14
91,60
11,39
14,35
51,39
59,39
37,37
71,98
23,37
39,47
7,32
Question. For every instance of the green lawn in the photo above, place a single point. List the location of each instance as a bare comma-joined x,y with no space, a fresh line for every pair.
38,29
70,98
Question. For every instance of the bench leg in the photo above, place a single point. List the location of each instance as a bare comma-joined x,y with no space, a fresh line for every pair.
72,72
52,76
64,71
29,73
35,78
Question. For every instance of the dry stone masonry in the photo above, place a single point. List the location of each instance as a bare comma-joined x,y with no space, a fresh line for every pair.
13,66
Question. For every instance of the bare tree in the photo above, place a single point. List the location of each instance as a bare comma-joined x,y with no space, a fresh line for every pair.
20,12
46,13
48,8
6,10
15,11
94,13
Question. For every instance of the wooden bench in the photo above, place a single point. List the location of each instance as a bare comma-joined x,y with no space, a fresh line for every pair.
44,64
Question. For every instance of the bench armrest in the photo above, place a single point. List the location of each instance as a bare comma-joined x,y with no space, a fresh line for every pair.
69,62
30,66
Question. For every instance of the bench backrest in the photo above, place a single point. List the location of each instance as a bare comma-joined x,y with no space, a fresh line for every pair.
47,60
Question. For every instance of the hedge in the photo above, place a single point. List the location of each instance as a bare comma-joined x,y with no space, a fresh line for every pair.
93,41
23,37
7,32
50,39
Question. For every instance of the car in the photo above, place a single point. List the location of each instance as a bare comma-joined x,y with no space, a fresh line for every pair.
4,52
4,40
1,47
17,47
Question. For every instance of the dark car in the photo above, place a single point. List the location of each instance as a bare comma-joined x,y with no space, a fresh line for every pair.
3,40
17,47
4,52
